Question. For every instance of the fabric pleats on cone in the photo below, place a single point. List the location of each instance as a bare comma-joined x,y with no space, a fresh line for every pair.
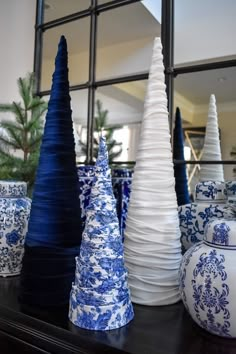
54,232
211,148
152,236
181,181
100,297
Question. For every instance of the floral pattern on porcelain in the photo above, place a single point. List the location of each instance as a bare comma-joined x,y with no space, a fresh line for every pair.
207,279
122,182
14,216
210,190
194,218
221,234
12,189
230,188
101,318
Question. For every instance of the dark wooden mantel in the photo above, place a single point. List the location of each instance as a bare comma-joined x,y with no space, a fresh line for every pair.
155,330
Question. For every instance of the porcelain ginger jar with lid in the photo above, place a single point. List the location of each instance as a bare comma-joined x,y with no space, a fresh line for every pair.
14,216
210,202
207,279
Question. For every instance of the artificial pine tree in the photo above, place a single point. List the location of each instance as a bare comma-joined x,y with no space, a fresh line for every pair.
22,135
101,125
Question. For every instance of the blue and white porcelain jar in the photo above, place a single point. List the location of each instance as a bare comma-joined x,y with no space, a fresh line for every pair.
14,216
207,279
210,202
230,188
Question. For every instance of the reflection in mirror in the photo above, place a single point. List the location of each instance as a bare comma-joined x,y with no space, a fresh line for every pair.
77,36
124,106
79,106
203,31
125,38
192,94
54,9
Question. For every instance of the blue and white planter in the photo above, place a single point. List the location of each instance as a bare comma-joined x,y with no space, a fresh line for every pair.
207,279
210,203
230,188
121,183
14,216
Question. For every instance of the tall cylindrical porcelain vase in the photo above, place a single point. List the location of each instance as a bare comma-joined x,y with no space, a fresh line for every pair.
14,216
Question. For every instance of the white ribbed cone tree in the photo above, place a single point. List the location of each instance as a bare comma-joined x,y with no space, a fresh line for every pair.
152,237
211,148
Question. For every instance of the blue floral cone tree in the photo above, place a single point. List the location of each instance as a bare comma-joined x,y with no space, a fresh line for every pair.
181,182
100,298
54,232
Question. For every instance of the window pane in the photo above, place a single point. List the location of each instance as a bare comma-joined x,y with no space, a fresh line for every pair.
192,94
125,40
204,30
54,9
124,103
79,106
77,35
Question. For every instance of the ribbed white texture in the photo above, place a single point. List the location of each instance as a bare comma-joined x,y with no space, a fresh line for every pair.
211,148
152,236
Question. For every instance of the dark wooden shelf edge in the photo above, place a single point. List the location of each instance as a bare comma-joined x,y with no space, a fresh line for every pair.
47,336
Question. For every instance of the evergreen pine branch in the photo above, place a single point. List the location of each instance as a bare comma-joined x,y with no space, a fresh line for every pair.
33,124
15,132
24,90
8,124
34,143
8,143
20,117
37,103
4,107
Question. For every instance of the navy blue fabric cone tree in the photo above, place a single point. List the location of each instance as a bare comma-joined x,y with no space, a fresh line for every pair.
181,182
54,232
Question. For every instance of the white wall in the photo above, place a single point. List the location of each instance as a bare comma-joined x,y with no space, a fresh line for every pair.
17,44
